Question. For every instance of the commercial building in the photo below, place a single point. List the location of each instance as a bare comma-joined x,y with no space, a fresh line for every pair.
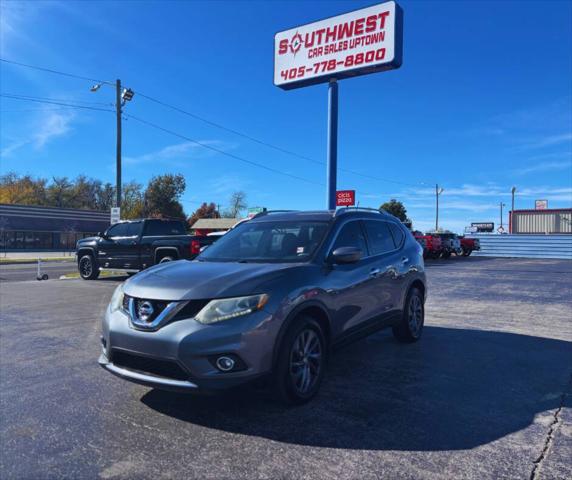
549,221
204,226
32,228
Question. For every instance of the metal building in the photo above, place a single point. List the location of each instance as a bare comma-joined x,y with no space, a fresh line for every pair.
549,221
25,227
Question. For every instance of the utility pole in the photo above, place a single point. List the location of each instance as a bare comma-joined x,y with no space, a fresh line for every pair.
501,205
511,226
118,106
121,97
438,191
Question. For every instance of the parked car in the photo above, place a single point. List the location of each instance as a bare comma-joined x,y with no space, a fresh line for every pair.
468,245
268,300
132,246
431,244
450,243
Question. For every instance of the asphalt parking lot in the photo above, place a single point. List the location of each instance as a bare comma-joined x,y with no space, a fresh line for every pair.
486,393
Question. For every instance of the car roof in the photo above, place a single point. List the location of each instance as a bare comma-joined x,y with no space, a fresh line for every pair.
318,215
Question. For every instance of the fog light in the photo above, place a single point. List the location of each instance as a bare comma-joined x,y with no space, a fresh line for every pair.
225,364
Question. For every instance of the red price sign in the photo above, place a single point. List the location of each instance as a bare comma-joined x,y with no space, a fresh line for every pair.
345,198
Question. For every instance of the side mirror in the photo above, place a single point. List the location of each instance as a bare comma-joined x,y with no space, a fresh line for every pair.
345,255
101,234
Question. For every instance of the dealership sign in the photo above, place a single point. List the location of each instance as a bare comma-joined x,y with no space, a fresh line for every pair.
541,204
345,198
356,43
483,227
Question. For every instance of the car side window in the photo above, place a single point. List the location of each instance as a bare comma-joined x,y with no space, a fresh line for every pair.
351,235
397,233
134,229
379,236
118,230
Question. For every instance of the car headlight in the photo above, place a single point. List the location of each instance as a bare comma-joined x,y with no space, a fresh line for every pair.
116,302
227,308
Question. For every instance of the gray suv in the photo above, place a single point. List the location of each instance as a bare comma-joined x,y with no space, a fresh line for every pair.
270,299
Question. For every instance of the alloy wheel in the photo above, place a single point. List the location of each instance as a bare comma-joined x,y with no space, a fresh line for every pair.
305,360
415,312
85,267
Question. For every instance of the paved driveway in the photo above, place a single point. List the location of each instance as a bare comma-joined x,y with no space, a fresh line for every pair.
485,394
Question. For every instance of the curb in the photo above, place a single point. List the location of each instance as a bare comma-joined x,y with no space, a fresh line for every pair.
22,261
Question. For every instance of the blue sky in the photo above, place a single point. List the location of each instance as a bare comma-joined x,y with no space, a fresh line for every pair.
482,102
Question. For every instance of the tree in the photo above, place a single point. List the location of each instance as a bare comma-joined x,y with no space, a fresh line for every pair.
206,210
132,203
163,194
22,190
237,204
396,208
60,192
105,197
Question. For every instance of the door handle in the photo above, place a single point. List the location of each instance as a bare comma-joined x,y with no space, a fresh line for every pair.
374,272
133,243
404,260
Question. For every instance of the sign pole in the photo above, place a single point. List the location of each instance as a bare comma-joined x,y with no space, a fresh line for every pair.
332,144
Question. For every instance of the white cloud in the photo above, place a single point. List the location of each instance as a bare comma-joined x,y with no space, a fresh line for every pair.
171,153
553,166
53,125
49,126
547,141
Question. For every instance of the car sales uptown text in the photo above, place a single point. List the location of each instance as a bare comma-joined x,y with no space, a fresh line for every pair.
341,34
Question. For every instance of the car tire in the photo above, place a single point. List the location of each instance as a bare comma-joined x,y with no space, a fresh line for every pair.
87,266
410,327
301,362
446,254
466,253
166,259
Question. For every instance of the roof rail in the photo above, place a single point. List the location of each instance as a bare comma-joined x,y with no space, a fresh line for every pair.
341,211
266,212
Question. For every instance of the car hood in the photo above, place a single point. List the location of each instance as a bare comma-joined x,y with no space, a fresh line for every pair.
186,280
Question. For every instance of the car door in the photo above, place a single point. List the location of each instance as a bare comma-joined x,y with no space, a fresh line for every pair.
347,285
388,264
130,247
109,249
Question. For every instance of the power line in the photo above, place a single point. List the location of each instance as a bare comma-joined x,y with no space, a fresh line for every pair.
57,72
222,152
217,125
57,99
266,144
69,105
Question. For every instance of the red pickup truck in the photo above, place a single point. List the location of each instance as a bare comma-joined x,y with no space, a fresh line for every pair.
432,245
468,245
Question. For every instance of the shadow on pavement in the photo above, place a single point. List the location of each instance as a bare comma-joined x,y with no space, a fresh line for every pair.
455,389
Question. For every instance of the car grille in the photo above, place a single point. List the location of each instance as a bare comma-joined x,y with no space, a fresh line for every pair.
152,366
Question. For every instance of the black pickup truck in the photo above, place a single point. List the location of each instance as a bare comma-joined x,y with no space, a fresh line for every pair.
135,245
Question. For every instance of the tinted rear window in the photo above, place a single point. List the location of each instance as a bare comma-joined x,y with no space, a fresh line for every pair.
379,236
164,228
397,233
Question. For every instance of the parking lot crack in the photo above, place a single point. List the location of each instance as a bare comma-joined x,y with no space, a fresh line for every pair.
554,425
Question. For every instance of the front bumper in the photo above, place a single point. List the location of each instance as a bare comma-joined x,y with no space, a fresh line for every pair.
190,348
147,379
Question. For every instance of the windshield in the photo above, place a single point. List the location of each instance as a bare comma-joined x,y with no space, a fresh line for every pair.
294,241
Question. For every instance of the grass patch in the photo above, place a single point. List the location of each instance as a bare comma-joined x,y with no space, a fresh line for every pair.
105,273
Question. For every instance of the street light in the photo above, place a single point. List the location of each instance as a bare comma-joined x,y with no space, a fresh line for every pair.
121,98
438,191
501,207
